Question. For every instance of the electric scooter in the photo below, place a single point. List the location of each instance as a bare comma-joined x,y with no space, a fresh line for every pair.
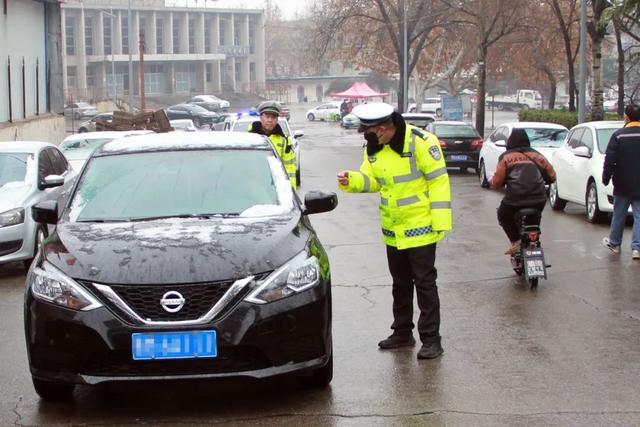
529,260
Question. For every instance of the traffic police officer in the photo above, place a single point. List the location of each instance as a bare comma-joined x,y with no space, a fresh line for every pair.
407,167
268,126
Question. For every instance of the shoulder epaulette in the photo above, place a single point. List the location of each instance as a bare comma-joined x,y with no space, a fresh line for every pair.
418,132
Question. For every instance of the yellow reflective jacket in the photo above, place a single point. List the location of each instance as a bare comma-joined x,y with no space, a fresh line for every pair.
415,195
283,146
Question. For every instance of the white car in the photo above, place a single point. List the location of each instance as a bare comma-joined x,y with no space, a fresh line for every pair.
184,125
241,124
80,109
350,121
545,138
578,164
77,148
324,112
210,102
429,105
30,172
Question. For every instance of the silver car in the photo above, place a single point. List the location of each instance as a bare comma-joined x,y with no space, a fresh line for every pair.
80,109
90,125
30,172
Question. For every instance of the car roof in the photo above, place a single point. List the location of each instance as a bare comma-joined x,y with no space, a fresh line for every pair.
452,122
533,125
610,124
184,141
104,135
23,146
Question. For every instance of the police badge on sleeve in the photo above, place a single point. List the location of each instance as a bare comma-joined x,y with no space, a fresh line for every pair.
435,152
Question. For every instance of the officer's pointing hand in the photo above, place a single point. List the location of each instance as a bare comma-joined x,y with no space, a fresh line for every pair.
343,178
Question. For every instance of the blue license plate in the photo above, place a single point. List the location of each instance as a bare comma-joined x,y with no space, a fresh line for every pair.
174,345
458,158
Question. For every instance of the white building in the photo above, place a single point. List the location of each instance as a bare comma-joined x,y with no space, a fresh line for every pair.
190,47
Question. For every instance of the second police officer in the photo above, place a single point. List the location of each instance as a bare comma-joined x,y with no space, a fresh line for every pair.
268,126
407,167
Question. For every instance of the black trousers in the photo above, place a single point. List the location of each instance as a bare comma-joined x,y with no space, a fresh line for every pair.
506,214
409,268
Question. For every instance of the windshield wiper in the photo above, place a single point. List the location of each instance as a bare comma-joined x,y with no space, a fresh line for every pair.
204,215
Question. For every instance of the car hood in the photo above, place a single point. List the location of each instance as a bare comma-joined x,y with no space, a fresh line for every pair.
175,250
13,194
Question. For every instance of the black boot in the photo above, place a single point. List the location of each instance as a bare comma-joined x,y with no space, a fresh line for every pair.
397,341
430,350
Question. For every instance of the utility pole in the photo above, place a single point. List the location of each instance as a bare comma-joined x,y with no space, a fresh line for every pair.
130,43
141,70
582,86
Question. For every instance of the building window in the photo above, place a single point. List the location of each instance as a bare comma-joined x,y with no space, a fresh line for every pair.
106,24
252,72
91,78
221,33
154,79
70,39
176,36
207,37
142,29
252,37
209,72
88,36
159,35
238,68
125,34
192,35
236,33
72,78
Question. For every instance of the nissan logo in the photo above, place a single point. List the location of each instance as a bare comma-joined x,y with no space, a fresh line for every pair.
172,301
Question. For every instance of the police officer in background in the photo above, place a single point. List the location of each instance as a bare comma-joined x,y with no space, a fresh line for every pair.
407,167
268,126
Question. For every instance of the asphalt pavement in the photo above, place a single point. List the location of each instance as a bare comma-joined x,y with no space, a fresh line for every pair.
565,354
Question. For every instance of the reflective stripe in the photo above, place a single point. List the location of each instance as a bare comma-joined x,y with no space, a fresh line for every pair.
289,162
406,178
440,205
420,231
292,175
367,184
381,181
408,201
388,233
413,166
436,173
384,201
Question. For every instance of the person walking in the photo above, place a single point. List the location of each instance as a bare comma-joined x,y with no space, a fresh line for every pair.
268,126
407,167
622,165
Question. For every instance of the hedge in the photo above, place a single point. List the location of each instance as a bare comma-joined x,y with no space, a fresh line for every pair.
562,117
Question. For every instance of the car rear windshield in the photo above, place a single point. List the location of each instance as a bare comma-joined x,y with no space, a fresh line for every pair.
139,186
456,131
13,167
604,135
83,144
545,137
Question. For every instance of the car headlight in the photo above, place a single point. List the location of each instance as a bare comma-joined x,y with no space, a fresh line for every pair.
300,273
50,284
12,217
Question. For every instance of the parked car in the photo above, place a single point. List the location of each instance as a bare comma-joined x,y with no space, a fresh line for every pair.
241,124
610,105
196,259
90,125
78,148
578,164
350,121
460,143
544,137
429,105
324,111
210,102
185,125
285,112
421,120
30,172
199,115
80,109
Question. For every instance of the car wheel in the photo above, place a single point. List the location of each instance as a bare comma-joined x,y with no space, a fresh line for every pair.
439,112
557,204
482,175
197,123
594,214
83,130
320,377
311,117
41,234
412,110
48,390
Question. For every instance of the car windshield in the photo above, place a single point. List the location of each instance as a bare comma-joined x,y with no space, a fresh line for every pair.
243,126
83,144
13,168
545,137
193,183
455,131
604,135
197,108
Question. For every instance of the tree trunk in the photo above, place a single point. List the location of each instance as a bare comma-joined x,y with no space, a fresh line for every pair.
597,111
553,87
621,60
572,83
482,81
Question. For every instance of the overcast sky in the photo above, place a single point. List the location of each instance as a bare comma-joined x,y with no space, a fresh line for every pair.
288,7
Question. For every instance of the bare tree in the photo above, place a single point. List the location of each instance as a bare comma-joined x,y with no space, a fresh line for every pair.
566,14
597,28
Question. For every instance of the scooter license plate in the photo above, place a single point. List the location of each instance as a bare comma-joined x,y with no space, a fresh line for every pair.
534,265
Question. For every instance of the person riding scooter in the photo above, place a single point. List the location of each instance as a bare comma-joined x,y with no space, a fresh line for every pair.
525,172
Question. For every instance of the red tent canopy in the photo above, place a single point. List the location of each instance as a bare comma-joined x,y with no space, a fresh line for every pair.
359,90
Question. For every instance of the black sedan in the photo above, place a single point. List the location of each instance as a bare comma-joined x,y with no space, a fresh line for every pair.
199,115
460,143
180,255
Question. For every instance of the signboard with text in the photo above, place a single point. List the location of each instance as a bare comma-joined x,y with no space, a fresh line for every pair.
452,108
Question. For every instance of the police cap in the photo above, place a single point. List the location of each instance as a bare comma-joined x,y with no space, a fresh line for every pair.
269,107
372,114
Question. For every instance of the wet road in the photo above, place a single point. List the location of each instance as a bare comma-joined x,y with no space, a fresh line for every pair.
566,354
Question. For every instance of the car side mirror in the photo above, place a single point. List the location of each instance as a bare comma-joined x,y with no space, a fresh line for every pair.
582,151
298,134
45,212
319,201
51,181
500,143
